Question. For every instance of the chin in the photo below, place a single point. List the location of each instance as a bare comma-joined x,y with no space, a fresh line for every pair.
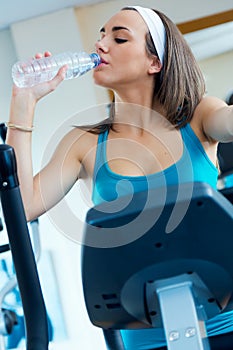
100,82
101,79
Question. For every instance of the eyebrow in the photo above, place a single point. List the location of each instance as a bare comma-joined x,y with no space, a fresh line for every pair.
114,29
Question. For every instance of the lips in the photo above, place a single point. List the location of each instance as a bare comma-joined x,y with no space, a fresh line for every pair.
103,61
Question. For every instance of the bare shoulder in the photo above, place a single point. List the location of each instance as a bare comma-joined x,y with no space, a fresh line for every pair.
76,143
207,105
204,113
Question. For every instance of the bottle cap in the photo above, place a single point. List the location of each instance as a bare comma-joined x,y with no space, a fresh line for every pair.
95,58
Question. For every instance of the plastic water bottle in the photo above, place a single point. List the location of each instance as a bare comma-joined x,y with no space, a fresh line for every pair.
35,71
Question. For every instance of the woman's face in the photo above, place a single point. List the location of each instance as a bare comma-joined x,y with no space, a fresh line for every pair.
122,49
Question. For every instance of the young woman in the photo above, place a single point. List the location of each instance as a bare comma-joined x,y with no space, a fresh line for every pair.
161,128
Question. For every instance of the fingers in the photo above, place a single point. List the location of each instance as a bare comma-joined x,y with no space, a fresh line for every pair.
47,54
43,88
62,71
60,76
40,55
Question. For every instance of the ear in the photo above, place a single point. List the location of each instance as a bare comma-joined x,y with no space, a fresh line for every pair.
155,65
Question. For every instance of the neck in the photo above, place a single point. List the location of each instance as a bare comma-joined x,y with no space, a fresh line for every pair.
136,112
138,94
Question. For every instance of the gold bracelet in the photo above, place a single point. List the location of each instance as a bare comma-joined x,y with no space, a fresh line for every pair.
20,127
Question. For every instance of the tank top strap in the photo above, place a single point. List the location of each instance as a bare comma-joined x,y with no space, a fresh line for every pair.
100,151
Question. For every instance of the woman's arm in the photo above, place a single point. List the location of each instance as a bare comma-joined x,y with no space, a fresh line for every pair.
54,181
216,118
37,200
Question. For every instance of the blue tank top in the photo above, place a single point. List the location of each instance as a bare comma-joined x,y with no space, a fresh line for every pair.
193,166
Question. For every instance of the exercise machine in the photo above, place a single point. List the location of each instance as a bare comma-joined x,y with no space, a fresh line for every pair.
12,330
35,315
159,259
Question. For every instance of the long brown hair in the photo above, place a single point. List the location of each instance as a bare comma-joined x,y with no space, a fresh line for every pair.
179,86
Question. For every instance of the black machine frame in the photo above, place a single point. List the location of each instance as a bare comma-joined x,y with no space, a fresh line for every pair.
174,278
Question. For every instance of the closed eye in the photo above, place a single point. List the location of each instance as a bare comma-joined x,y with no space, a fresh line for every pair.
120,41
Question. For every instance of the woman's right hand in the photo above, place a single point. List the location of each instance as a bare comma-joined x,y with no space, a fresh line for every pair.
40,90
24,100
22,108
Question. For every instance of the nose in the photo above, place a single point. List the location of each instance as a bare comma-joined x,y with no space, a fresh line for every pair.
101,45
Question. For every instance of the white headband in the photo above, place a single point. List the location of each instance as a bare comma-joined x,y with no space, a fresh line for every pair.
156,28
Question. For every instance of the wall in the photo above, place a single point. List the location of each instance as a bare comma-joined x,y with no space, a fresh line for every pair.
56,32
7,58
218,73
75,30
216,69
91,18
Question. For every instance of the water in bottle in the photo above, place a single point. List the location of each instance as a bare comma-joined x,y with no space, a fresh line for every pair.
35,71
